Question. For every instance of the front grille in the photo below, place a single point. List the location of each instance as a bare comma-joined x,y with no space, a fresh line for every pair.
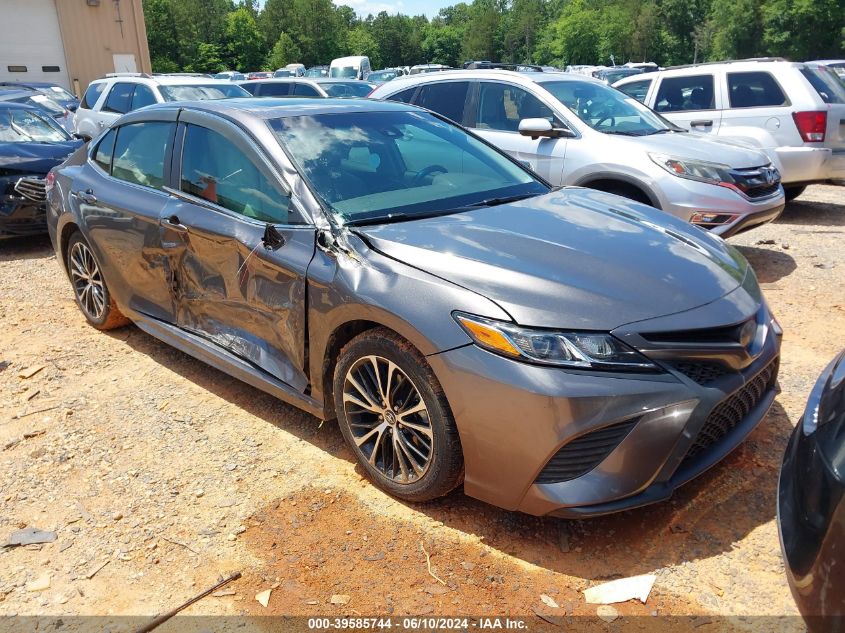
762,192
702,373
584,453
32,189
731,411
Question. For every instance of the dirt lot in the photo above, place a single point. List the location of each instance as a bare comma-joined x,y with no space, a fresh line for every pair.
175,474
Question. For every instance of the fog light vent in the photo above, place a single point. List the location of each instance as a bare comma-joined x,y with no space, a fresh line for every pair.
584,453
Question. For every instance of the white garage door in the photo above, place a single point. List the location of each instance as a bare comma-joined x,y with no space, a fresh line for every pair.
31,46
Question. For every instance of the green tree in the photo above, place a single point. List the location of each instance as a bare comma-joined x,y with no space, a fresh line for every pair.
361,42
162,36
207,60
573,37
442,43
285,51
521,28
804,29
245,45
481,40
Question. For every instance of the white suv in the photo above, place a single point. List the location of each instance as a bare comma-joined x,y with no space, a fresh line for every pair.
795,112
107,99
575,130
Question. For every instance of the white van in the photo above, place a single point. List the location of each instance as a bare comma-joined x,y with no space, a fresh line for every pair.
355,67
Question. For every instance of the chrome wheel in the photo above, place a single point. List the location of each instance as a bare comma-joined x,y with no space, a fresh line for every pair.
87,281
388,419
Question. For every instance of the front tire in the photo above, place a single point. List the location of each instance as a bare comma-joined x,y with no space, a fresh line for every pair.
790,193
395,417
89,287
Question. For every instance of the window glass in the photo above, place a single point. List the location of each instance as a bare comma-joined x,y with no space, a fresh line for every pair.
91,95
200,92
215,169
344,89
679,94
118,99
25,126
367,165
502,106
825,83
305,90
274,89
142,96
754,89
105,150
139,153
444,97
636,89
250,87
405,96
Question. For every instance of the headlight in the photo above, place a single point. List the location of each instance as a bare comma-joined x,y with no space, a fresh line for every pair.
584,350
702,171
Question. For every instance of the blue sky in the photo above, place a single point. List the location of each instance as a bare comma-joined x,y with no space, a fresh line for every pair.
408,7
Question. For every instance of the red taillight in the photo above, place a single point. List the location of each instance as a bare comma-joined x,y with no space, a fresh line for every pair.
811,125
49,181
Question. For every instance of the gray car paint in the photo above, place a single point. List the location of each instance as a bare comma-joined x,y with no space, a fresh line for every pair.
511,416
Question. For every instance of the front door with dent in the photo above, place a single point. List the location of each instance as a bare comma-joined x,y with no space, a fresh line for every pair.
229,287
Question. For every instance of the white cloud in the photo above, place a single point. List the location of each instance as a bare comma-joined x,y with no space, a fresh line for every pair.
363,8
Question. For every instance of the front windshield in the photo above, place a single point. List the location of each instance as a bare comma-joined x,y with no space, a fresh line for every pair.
316,72
200,92
24,126
346,88
385,75
382,166
43,102
612,76
343,72
608,110
57,92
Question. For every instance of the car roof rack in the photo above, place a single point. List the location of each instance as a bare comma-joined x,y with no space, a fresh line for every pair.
730,61
485,65
144,75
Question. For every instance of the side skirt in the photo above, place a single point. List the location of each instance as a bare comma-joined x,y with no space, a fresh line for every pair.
227,362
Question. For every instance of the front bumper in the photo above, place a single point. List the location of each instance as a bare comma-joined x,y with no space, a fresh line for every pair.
20,217
685,198
514,418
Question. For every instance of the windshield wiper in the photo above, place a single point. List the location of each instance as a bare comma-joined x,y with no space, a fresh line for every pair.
492,202
619,133
667,130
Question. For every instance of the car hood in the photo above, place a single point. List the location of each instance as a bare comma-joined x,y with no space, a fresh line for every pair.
575,258
34,158
703,147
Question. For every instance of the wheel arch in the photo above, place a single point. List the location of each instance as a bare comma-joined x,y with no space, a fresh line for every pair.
63,239
610,181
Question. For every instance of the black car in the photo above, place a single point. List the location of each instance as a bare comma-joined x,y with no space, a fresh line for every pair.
31,144
811,504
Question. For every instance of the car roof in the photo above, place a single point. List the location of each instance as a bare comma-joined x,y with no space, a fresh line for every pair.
484,73
276,108
14,105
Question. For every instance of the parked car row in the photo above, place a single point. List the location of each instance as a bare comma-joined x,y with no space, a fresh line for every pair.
791,111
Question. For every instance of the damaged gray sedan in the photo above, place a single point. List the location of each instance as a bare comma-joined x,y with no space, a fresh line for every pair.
563,352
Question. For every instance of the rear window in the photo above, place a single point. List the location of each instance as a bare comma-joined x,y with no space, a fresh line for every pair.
680,94
444,97
754,90
346,88
404,96
636,89
828,87
91,95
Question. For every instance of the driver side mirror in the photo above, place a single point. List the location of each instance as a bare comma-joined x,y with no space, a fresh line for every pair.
535,128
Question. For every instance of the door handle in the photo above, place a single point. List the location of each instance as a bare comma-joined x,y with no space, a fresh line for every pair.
701,123
173,224
86,196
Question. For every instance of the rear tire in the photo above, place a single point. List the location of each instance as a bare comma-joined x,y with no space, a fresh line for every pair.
89,288
406,442
793,192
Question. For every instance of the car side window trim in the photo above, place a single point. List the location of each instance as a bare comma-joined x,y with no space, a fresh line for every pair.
254,153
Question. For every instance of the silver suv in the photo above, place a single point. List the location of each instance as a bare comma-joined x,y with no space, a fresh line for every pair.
795,112
107,99
574,130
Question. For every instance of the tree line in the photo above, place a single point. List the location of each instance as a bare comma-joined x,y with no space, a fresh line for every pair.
214,35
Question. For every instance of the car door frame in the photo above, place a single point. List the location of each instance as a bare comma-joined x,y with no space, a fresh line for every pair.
300,232
689,116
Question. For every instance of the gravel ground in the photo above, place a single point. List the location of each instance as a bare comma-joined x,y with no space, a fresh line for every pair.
173,474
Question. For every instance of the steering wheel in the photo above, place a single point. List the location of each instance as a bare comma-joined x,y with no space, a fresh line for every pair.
425,172
603,116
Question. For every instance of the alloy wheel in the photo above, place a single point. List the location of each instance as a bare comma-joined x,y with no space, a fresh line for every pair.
87,281
388,419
